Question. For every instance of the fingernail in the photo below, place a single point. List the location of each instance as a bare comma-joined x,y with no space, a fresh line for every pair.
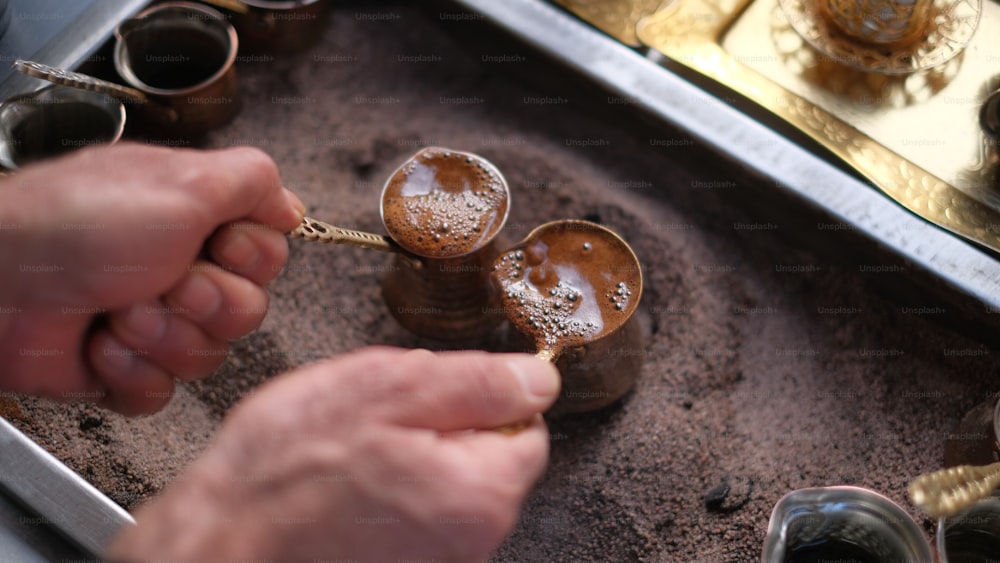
295,203
146,321
538,378
239,251
199,296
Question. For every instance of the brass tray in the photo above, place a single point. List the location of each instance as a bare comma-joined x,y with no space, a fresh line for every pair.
914,136
617,18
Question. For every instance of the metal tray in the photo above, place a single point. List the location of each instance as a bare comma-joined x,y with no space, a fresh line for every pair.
662,90
914,136
57,33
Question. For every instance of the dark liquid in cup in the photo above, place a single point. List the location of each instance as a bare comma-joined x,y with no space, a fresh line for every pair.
174,56
568,286
444,203
972,546
831,550
52,129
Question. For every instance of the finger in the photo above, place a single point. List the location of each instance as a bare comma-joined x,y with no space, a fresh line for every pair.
166,338
242,183
497,470
520,457
134,385
252,250
462,390
224,305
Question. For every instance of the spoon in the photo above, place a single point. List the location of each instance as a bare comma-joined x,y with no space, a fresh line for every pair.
320,231
948,491
568,284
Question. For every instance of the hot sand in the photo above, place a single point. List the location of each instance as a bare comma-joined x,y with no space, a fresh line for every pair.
768,366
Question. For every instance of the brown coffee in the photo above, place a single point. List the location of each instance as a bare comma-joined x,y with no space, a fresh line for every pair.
568,284
443,203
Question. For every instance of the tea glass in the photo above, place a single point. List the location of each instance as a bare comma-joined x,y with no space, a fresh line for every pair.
842,523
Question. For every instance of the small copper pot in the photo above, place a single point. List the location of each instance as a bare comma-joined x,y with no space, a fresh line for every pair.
281,26
181,55
976,441
571,289
446,207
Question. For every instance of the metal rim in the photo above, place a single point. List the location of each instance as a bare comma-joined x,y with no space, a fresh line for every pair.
211,15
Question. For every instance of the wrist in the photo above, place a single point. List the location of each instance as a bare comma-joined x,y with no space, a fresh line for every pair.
188,522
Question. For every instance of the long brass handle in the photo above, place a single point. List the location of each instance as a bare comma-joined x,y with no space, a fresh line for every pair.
949,491
80,81
321,231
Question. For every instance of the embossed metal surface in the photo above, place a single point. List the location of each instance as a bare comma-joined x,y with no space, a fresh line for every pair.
954,24
617,18
964,271
694,33
72,79
948,491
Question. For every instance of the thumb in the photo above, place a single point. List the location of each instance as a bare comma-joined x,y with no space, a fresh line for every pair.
464,390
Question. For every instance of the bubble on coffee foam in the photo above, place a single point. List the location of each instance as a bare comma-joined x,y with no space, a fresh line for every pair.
446,218
550,317
568,312
620,296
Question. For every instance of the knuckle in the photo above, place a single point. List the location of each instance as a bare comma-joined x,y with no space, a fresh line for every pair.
255,162
204,179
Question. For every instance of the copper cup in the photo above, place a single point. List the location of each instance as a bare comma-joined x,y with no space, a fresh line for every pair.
182,56
281,26
571,288
447,208
976,440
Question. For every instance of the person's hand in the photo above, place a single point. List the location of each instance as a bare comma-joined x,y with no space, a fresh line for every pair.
129,266
380,455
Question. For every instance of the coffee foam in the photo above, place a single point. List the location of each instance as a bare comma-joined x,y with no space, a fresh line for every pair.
443,203
569,284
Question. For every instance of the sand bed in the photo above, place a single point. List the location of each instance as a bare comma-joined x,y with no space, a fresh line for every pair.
766,367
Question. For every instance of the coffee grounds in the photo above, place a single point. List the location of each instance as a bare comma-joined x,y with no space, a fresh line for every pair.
767,363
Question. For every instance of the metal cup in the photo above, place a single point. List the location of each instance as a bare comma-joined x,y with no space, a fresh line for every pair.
182,56
600,373
56,120
842,524
882,22
571,289
976,440
447,208
971,536
281,26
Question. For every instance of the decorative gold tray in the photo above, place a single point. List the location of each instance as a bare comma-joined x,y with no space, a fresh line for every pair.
914,136
617,18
